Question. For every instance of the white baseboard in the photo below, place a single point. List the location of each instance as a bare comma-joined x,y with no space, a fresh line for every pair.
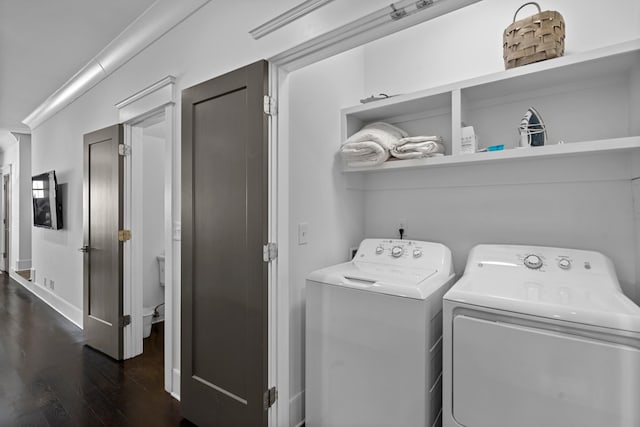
175,382
62,306
23,264
296,410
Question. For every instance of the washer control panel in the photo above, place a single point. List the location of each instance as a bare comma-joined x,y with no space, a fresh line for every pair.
408,253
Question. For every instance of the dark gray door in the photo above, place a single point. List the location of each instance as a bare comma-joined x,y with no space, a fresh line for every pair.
224,226
103,216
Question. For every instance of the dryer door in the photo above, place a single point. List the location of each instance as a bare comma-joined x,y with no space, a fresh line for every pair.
507,375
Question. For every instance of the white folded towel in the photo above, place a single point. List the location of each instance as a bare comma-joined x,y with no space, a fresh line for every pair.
416,147
371,145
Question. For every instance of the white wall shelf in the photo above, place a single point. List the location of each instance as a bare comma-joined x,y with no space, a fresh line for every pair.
590,99
574,149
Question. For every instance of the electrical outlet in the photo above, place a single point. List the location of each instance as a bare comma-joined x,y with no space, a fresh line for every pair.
51,284
44,282
402,223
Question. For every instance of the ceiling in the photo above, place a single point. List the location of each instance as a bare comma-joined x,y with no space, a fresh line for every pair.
43,43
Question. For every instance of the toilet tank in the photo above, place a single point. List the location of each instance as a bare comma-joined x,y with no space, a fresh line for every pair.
161,269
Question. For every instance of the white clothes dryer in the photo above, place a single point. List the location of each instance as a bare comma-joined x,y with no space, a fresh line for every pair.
374,336
538,336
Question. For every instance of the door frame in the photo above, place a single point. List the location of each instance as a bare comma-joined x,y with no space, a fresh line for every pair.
354,34
6,173
153,101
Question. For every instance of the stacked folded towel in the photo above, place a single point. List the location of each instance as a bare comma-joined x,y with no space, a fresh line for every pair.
372,144
416,147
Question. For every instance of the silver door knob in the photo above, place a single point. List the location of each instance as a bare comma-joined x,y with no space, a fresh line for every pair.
84,249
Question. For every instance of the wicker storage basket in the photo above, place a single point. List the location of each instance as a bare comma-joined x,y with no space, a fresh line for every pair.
533,39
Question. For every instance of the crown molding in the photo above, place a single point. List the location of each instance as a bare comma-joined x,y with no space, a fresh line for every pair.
287,17
152,24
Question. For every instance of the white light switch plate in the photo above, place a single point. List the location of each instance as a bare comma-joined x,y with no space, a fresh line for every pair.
303,233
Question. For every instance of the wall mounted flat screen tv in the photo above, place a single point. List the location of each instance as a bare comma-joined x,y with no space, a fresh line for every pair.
47,207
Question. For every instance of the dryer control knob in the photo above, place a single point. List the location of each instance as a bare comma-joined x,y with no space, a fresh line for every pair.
417,253
564,264
396,251
379,250
533,261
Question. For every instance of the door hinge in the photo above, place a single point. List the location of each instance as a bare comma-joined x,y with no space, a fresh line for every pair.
124,150
270,397
269,105
125,320
124,235
269,252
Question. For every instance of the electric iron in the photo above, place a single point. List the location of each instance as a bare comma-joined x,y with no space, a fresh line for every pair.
533,131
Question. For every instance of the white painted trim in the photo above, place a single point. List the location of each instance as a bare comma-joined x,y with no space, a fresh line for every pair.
6,170
176,380
276,355
357,33
148,99
296,409
172,210
287,17
149,90
279,232
154,22
23,264
59,304
361,31
132,295
156,100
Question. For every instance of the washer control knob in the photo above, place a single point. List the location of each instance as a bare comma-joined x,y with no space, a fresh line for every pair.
533,261
379,250
396,251
417,253
564,264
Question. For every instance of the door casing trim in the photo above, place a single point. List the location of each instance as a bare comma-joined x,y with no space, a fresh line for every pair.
153,101
349,36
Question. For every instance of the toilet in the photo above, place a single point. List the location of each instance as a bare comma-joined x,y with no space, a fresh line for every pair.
147,320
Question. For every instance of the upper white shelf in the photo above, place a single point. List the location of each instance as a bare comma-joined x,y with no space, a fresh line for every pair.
590,98
558,150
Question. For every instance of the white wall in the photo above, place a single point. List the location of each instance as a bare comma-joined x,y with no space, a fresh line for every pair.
24,223
319,190
211,42
153,214
460,207
10,166
468,42
215,40
558,213
16,157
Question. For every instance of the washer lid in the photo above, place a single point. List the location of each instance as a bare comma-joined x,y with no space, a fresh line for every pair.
384,279
584,303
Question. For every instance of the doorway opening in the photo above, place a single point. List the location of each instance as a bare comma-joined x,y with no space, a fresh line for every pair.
150,276
145,178
147,184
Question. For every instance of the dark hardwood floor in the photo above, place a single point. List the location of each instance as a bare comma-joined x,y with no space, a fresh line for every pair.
49,378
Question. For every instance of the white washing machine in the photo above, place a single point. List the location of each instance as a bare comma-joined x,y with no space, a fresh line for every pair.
537,336
374,336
